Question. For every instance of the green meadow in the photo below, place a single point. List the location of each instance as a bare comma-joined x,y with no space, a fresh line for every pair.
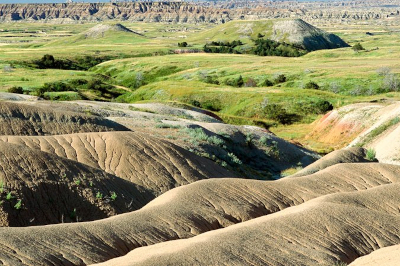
238,87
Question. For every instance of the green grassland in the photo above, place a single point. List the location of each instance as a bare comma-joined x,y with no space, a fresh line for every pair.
146,68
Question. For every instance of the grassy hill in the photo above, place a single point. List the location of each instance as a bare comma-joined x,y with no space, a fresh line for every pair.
294,31
102,34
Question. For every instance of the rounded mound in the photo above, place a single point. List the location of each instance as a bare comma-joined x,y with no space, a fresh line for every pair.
154,164
40,188
101,29
350,155
21,119
212,204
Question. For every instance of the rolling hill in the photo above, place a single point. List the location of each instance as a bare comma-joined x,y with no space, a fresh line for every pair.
293,31
110,33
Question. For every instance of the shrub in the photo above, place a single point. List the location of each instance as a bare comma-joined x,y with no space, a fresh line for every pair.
311,86
239,81
358,47
9,196
99,195
264,140
322,107
162,125
113,196
273,150
234,159
371,155
212,105
267,83
281,78
211,80
182,44
216,141
195,103
18,205
16,89
280,114
391,82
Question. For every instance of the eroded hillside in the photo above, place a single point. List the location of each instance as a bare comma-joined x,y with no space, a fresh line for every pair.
201,12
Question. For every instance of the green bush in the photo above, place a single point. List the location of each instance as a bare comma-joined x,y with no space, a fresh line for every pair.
182,44
280,114
358,47
266,83
16,89
311,86
281,78
371,155
321,107
236,82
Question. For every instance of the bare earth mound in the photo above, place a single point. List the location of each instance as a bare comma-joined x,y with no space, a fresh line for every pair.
20,119
101,29
154,164
211,204
52,189
324,231
351,155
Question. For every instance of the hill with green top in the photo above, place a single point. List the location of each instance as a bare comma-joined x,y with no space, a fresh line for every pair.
293,31
102,34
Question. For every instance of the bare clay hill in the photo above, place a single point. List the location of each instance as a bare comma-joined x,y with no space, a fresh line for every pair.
84,176
101,33
349,225
153,164
21,119
351,208
370,125
101,29
99,194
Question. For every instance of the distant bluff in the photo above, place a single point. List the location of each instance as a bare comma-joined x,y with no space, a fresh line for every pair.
181,12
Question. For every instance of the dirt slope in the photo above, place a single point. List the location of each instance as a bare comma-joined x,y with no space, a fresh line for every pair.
350,155
349,125
389,256
21,119
197,208
55,190
324,231
151,163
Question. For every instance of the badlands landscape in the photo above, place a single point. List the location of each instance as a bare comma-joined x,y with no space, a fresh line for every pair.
223,133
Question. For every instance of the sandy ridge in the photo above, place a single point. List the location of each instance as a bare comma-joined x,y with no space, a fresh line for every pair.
182,213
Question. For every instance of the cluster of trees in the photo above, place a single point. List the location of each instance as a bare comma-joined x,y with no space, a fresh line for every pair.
262,47
267,47
80,63
243,82
281,114
222,47
76,85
